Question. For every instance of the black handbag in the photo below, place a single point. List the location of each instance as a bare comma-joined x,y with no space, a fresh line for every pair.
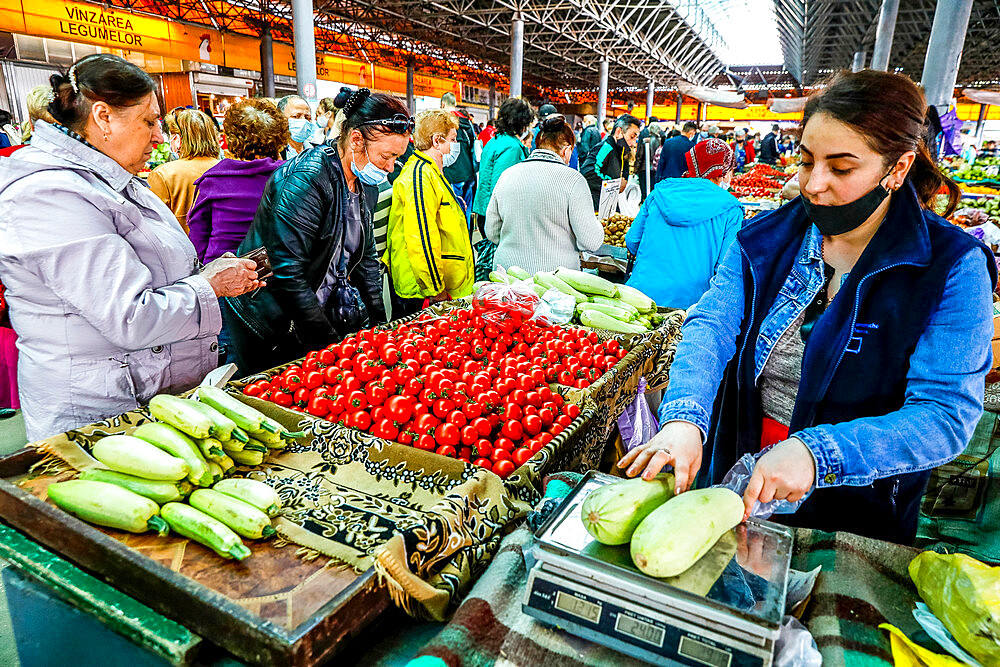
344,307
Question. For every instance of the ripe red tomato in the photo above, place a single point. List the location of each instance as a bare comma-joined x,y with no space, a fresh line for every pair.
389,355
500,454
521,455
313,379
385,429
503,468
512,429
426,442
399,408
376,393
572,409
284,399
471,409
469,435
359,419
483,463
482,426
447,450
457,417
532,425
505,444
319,406
447,434
357,400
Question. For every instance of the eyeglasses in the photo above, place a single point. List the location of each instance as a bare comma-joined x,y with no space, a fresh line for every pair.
553,122
398,124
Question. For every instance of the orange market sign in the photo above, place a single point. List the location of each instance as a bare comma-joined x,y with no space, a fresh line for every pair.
117,29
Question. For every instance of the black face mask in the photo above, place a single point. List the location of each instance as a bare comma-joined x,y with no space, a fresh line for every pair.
621,143
836,220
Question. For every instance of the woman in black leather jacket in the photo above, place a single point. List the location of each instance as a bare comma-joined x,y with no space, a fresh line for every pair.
315,220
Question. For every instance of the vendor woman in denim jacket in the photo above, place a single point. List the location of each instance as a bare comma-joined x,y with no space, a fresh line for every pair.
848,331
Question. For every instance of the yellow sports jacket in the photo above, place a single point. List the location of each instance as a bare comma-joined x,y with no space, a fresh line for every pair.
429,248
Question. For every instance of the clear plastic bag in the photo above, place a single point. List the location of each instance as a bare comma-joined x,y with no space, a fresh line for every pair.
555,307
637,424
502,300
738,478
795,646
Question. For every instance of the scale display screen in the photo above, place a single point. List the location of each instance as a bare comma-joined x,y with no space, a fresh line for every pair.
640,630
571,604
703,653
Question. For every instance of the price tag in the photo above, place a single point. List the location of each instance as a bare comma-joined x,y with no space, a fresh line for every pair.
609,198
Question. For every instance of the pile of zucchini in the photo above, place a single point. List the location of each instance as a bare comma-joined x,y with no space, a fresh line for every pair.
600,304
195,443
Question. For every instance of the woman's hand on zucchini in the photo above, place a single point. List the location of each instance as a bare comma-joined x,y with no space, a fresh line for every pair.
678,444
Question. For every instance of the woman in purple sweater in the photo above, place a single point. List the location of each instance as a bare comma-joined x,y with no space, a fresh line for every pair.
229,192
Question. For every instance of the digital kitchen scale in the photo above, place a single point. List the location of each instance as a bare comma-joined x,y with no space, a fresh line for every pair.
725,611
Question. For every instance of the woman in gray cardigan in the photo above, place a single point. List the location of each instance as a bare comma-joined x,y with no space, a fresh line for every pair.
541,214
106,294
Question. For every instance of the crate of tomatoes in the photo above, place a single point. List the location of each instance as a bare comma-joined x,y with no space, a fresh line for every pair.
475,383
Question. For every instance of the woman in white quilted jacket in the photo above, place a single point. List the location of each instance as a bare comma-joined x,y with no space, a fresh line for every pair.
105,290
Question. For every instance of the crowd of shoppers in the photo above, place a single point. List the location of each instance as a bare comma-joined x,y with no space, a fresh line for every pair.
194,139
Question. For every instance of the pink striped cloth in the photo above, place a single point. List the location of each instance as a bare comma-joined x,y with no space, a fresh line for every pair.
8,369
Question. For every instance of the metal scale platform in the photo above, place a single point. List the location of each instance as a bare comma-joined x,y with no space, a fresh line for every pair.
725,611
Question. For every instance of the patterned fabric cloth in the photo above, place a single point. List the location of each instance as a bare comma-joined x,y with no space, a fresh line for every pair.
650,356
862,585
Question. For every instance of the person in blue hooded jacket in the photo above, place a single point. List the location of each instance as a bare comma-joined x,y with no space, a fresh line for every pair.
686,224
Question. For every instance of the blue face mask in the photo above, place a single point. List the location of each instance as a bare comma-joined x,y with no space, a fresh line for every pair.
369,174
300,129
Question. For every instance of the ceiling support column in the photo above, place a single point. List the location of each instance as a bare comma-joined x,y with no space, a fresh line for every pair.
304,38
602,94
944,51
516,55
650,90
859,61
884,34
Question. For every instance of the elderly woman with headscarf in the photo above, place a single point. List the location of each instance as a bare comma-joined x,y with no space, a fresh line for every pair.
685,227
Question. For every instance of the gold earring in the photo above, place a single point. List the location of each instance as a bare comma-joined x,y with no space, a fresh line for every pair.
105,136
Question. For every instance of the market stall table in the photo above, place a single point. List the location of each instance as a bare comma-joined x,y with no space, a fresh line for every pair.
346,495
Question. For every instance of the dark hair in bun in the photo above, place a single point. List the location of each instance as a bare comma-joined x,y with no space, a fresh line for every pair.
100,77
361,106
